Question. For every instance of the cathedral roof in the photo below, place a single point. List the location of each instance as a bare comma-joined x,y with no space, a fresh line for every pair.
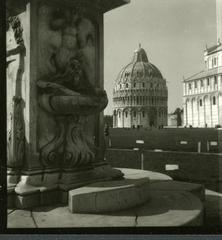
205,73
213,49
139,68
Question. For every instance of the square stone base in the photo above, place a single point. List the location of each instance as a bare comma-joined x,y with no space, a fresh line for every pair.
52,188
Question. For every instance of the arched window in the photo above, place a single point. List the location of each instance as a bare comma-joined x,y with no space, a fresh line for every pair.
134,113
134,85
119,114
143,84
201,83
126,85
214,100
143,114
126,114
201,103
215,80
208,81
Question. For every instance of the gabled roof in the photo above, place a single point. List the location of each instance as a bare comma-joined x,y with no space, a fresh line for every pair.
214,48
204,74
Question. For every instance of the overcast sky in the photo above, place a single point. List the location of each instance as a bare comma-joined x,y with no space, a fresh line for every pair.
174,34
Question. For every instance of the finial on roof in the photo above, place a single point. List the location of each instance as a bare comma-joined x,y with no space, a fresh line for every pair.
139,45
206,47
219,43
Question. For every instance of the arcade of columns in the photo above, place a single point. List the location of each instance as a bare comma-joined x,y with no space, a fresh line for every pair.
140,95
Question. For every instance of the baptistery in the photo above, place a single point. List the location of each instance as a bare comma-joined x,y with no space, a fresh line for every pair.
140,94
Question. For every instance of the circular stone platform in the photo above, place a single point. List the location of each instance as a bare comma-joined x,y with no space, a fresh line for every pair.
166,206
109,196
176,186
137,174
164,209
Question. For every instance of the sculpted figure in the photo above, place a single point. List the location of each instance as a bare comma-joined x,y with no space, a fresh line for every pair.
69,95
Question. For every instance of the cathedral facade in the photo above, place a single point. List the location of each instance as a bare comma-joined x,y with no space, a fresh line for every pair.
202,92
140,94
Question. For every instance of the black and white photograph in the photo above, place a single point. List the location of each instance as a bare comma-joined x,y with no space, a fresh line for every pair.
113,116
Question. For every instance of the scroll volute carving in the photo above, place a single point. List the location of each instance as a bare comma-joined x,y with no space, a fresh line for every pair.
69,95
15,69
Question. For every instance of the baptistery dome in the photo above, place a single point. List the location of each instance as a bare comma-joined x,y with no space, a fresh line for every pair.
140,94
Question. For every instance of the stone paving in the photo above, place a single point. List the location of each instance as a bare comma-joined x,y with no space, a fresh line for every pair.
172,203
59,216
213,205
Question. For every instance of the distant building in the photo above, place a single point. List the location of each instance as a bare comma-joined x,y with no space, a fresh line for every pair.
140,94
171,120
175,118
202,92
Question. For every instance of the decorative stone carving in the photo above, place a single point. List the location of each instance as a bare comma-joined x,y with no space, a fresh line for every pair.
15,65
69,94
55,137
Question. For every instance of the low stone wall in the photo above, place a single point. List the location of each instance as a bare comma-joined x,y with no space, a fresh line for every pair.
204,168
169,139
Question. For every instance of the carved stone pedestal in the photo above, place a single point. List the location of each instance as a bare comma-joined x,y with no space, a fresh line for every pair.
55,98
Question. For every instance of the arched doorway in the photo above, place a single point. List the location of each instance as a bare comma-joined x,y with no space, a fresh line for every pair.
153,117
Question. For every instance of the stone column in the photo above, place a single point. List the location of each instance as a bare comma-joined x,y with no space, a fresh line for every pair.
198,111
211,112
220,107
123,120
204,102
185,112
55,98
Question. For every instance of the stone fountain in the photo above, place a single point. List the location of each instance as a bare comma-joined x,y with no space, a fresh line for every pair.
55,99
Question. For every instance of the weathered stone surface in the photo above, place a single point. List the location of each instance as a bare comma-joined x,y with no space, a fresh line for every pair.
48,217
165,208
109,196
213,205
54,97
168,208
136,174
20,219
28,201
11,197
176,186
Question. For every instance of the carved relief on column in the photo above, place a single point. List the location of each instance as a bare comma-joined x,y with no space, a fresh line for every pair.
68,98
15,103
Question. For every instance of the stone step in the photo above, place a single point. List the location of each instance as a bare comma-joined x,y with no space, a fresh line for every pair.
109,196
163,209
177,186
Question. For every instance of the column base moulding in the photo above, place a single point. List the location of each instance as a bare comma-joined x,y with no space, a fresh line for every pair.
51,187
